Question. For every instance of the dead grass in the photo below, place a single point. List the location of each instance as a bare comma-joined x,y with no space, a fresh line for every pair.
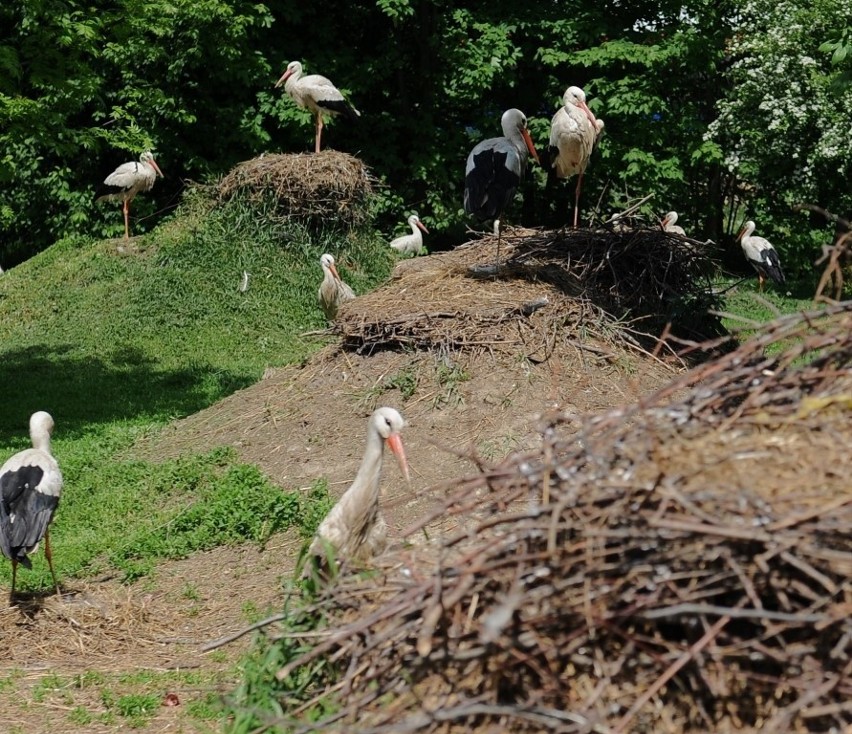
328,189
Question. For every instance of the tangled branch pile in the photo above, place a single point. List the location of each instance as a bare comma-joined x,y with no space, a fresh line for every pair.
328,188
571,280
681,565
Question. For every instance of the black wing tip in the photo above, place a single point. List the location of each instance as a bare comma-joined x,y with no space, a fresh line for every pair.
340,107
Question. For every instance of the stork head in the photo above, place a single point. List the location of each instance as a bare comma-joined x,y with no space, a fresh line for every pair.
414,221
148,157
670,218
576,97
389,423
327,263
293,68
515,120
747,229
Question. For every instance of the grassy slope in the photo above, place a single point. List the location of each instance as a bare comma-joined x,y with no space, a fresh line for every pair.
118,341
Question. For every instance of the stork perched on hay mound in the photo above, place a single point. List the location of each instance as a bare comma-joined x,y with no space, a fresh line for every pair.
323,190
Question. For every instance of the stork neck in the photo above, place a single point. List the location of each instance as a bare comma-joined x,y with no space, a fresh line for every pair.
41,440
371,464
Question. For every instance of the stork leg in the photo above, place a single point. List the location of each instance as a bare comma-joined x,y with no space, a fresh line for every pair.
498,225
49,556
577,200
127,219
14,576
318,136
760,282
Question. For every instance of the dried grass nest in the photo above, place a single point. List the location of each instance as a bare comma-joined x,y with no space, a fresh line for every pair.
616,286
679,565
317,189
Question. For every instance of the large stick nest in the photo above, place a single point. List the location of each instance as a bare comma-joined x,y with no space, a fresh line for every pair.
316,189
684,564
549,283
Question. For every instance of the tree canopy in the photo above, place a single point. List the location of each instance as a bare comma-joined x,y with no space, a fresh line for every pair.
717,109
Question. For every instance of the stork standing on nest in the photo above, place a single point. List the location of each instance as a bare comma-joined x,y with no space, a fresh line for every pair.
332,291
354,529
495,169
30,485
669,225
411,244
128,180
762,256
574,132
317,94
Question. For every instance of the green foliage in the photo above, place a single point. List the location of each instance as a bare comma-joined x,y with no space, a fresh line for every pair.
785,131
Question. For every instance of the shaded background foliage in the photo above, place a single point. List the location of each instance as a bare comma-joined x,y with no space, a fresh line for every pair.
86,85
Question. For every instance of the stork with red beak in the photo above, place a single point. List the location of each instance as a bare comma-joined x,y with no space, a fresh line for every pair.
317,94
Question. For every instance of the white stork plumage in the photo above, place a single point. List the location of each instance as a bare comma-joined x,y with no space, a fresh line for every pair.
411,244
128,180
30,485
317,94
574,131
495,168
762,255
332,291
354,529
669,224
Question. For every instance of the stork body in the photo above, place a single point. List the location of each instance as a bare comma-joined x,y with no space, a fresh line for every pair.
411,244
762,256
354,528
574,132
30,485
128,180
332,291
669,225
317,94
496,167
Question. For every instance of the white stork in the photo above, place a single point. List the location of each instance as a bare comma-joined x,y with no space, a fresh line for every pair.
332,291
668,224
30,485
317,94
762,255
354,528
128,180
411,244
574,131
495,169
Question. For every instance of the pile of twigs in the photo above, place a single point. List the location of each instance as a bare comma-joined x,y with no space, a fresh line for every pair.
329,188
684,564
548,283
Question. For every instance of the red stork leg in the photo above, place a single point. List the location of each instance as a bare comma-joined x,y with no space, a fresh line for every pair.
127,219
49,555
577,200
318,133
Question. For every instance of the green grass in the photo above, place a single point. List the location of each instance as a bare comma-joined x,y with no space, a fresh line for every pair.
116,342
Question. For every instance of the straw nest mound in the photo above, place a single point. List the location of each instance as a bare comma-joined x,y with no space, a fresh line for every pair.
550,287
681,564
328,187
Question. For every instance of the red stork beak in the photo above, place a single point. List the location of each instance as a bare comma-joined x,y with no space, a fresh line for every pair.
740,235
530,146
590,115
284,77
157,168
422,226
394,443
333,270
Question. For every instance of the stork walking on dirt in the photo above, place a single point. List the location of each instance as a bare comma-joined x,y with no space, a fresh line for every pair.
495,169
574,131
762,256
354,529
30,485
333,292
128,180
317,94
411,244
668,224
